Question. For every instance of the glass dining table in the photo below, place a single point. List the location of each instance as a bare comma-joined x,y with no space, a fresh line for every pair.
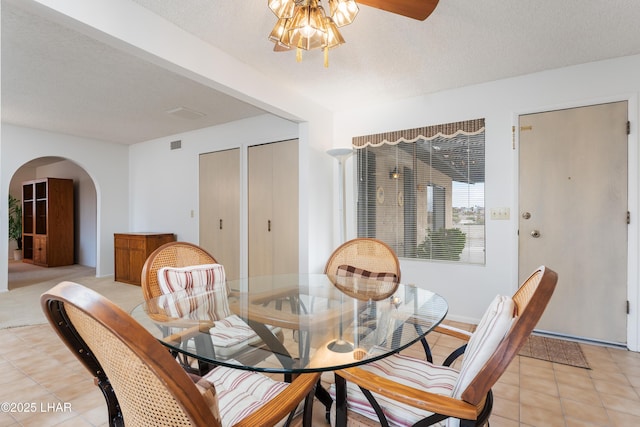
299,323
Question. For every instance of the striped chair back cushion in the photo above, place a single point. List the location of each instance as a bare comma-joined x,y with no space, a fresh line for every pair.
196,279
351,271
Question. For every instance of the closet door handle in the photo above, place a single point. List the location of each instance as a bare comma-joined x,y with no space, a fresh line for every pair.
220,223
269,225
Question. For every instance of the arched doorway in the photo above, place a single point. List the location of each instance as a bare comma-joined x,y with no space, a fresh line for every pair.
85,216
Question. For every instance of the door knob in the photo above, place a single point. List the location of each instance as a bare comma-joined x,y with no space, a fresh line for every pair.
535,234
526,215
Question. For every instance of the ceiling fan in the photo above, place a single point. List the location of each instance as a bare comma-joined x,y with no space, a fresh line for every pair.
416,9
304,24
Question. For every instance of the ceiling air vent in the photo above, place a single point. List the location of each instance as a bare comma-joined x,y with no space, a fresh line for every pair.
175,145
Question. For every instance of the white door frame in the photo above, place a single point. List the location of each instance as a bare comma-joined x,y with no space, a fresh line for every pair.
633,241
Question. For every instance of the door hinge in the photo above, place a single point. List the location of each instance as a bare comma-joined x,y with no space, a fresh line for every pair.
628,217
628,127
628,307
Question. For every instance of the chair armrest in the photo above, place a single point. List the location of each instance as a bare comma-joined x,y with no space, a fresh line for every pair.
280,406
456,333
187,334
453,332
431,402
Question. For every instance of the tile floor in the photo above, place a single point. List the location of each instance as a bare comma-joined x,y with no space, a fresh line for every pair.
39,373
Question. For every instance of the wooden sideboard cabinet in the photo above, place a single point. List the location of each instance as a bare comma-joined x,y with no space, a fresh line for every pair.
132,250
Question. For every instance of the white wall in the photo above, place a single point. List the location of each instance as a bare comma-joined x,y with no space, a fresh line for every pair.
469,288
164,182
106,164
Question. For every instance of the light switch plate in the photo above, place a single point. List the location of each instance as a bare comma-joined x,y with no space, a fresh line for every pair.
500,213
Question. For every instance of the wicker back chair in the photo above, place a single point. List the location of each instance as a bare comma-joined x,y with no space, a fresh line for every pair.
184,254
172,254
366,254
143,384
467,397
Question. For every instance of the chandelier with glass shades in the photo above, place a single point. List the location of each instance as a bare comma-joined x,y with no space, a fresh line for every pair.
304,24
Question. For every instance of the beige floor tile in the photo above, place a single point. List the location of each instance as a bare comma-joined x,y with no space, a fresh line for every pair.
7,420
630,368
585,412
620,404
511,378
572,422
575,380
616,376
498,421
76,421
505,409
623,419
542,401
617,388
570,370
542,384
98,415
502,391
579,393
535,415
531,392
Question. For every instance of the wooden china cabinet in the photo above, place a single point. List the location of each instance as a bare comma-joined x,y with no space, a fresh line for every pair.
47,222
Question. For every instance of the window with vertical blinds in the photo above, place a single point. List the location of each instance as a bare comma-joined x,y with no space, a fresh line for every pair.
421,191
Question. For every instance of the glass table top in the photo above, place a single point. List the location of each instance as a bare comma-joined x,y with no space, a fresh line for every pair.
293,323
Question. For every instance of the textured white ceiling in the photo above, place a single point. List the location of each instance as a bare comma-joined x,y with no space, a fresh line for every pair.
54,78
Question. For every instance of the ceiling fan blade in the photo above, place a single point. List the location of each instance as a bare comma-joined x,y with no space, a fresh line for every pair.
416,9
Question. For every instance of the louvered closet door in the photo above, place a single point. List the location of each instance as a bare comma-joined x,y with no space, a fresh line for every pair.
220,208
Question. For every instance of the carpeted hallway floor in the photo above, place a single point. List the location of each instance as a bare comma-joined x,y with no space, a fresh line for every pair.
21,305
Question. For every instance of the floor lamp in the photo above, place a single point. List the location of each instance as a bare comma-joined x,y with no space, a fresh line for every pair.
342,154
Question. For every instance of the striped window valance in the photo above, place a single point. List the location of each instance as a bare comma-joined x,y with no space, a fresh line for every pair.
447,130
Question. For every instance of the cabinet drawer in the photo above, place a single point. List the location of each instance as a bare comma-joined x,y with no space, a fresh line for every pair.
137,244
132,242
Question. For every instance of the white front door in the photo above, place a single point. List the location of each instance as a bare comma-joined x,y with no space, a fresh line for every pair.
573,216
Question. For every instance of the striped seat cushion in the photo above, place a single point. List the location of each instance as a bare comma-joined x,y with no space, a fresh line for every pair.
493,326
241,392
232,334
404,370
